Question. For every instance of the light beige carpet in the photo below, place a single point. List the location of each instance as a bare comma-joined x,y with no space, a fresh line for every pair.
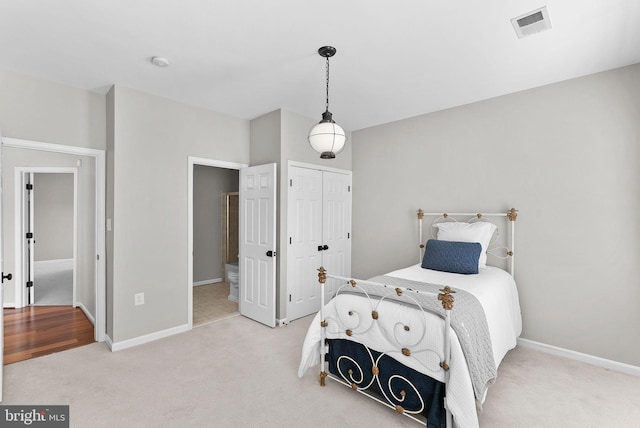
237,373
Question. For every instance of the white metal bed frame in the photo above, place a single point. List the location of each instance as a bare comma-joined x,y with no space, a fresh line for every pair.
445,296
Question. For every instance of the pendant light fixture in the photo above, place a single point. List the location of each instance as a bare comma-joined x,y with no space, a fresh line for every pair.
327,137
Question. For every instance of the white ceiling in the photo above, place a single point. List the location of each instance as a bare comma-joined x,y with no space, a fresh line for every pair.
245,58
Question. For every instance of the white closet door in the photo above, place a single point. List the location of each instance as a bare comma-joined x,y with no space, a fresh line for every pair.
319,234
304,221
336,227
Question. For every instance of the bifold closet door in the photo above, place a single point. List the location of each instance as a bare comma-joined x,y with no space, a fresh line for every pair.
336,227
319,234
304,218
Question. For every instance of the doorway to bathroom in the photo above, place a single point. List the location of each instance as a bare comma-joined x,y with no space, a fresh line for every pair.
215,243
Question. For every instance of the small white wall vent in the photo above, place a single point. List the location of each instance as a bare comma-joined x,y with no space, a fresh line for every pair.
531,22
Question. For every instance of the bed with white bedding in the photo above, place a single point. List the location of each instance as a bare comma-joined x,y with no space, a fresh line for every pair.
442,362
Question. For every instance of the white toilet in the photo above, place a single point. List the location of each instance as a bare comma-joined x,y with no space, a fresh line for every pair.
233,279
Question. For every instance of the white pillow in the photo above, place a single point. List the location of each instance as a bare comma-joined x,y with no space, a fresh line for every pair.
479,231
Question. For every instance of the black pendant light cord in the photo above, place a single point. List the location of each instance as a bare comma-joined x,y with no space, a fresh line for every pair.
327,101
327,52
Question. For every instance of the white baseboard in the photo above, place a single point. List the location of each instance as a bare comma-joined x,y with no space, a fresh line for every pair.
9,304
207,282
130,343
108,341
579,356
86,312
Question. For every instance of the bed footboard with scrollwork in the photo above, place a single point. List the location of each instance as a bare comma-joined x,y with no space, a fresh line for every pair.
394,376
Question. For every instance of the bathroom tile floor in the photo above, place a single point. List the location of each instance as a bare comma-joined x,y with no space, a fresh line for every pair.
210,303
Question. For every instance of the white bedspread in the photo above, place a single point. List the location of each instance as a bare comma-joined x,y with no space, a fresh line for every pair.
493,287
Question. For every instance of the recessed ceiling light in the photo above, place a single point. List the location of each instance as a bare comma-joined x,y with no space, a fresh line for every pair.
160,61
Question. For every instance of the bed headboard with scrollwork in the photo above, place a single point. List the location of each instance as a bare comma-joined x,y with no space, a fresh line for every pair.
503,240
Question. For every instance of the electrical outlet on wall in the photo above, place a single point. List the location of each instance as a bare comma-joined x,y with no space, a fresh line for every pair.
138,299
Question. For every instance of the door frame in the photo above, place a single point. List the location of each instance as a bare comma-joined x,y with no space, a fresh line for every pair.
100,324
19,215
192,162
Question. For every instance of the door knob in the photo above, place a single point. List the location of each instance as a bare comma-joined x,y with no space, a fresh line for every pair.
271,253
7,277
325,247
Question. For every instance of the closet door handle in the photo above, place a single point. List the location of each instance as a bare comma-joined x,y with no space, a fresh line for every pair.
325,247
320,248
8,277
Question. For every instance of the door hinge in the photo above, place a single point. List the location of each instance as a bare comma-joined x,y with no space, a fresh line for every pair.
29,235
29,186
348,236
289,240
29,284
348,188
290,182
289,297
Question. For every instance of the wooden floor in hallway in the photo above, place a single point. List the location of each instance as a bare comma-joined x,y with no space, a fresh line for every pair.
34,331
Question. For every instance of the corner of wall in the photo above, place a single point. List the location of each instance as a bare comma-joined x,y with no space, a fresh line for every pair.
110,125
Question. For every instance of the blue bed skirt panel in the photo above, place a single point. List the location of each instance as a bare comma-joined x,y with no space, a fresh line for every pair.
345,355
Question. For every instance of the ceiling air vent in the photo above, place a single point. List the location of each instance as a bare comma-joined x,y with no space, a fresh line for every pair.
532,22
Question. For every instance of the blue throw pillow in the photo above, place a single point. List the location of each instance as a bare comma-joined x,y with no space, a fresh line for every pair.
452,256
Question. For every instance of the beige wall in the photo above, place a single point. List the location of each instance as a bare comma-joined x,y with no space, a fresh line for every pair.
266,139
109,196
38,110
567,156
153,138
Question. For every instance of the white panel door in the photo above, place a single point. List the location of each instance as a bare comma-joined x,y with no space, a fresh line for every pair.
29,248
336,227
304,254
257,263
